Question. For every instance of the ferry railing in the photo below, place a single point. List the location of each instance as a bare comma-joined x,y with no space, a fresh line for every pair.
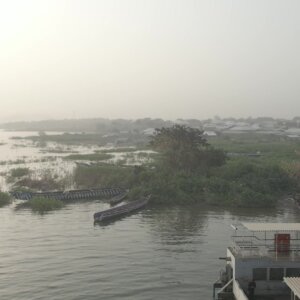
248,246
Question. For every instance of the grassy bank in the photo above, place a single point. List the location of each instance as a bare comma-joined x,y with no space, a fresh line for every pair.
41,204
5,199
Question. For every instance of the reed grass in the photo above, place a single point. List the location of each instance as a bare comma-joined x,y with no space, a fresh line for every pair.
5,199
42,204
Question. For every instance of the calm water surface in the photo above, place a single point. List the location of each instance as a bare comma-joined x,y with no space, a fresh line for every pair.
159,253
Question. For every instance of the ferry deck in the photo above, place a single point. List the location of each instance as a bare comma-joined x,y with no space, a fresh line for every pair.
269,254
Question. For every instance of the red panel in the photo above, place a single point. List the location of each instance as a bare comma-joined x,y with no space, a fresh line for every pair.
282,242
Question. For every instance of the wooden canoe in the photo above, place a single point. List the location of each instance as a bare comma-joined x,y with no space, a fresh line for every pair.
121,210
118,198
72,194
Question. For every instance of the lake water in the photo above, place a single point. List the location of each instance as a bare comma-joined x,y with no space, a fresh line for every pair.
158,253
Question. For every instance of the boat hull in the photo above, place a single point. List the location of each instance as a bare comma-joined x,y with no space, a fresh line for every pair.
71,195
121,210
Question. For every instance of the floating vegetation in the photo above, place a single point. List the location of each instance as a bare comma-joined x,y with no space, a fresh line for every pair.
19,172
92,156
58,150
41,204
103,175
70,138
12,162
117,150
45,179
5,199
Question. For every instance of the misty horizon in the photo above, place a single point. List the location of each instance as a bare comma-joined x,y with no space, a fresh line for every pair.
161,59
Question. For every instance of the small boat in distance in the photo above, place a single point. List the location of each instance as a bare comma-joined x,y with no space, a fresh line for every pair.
121,210
118,198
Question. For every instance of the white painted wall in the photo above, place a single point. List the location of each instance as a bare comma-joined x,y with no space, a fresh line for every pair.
242,272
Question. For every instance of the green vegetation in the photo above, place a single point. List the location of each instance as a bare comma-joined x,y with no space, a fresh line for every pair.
58,150
12,162
187,169
272,147
19,172
246,182
16,174
42,204
69,139
5,199
46,182
92,156
118,150
185,149
103,175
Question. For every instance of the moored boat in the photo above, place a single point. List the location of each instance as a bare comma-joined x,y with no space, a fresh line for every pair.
261,262
118,198
71,195
121,210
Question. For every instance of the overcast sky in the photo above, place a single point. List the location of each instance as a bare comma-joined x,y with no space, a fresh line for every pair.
149,58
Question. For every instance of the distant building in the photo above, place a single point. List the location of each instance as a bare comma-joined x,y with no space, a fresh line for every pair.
293,132
244,128
149,131
209,133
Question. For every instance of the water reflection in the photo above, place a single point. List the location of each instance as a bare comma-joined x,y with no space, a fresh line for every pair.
177,227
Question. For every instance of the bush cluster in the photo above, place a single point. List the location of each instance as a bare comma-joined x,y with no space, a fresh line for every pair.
5,199
42,204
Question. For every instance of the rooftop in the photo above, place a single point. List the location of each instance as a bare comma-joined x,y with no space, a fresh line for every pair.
278,241
294,284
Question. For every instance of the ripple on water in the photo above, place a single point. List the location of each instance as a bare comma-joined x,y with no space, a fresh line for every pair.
158,253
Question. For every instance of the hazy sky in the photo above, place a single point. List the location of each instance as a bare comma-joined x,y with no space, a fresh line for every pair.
149,58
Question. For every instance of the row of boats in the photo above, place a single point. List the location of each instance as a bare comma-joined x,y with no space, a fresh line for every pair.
114,195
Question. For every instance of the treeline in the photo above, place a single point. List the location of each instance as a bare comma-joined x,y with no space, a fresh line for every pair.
98,125
102,125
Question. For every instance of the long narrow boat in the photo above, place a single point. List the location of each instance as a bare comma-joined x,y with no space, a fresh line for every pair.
118,198
121,210
71,195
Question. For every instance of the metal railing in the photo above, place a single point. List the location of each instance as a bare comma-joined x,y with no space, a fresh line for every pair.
249,246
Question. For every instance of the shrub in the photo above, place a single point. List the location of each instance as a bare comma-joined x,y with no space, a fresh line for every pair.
42,204
19,172
103,176
244,182
5,199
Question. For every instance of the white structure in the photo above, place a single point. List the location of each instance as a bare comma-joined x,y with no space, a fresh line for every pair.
264,252
294,284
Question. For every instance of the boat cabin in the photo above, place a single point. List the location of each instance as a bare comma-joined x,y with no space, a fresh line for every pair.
265,253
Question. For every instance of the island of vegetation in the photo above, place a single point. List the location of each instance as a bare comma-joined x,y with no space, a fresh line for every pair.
182,165
187,169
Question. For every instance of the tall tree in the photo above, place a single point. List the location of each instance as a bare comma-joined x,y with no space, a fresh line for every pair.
185,148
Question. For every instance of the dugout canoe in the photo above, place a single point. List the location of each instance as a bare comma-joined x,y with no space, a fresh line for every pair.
71,195
121,210
118,198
